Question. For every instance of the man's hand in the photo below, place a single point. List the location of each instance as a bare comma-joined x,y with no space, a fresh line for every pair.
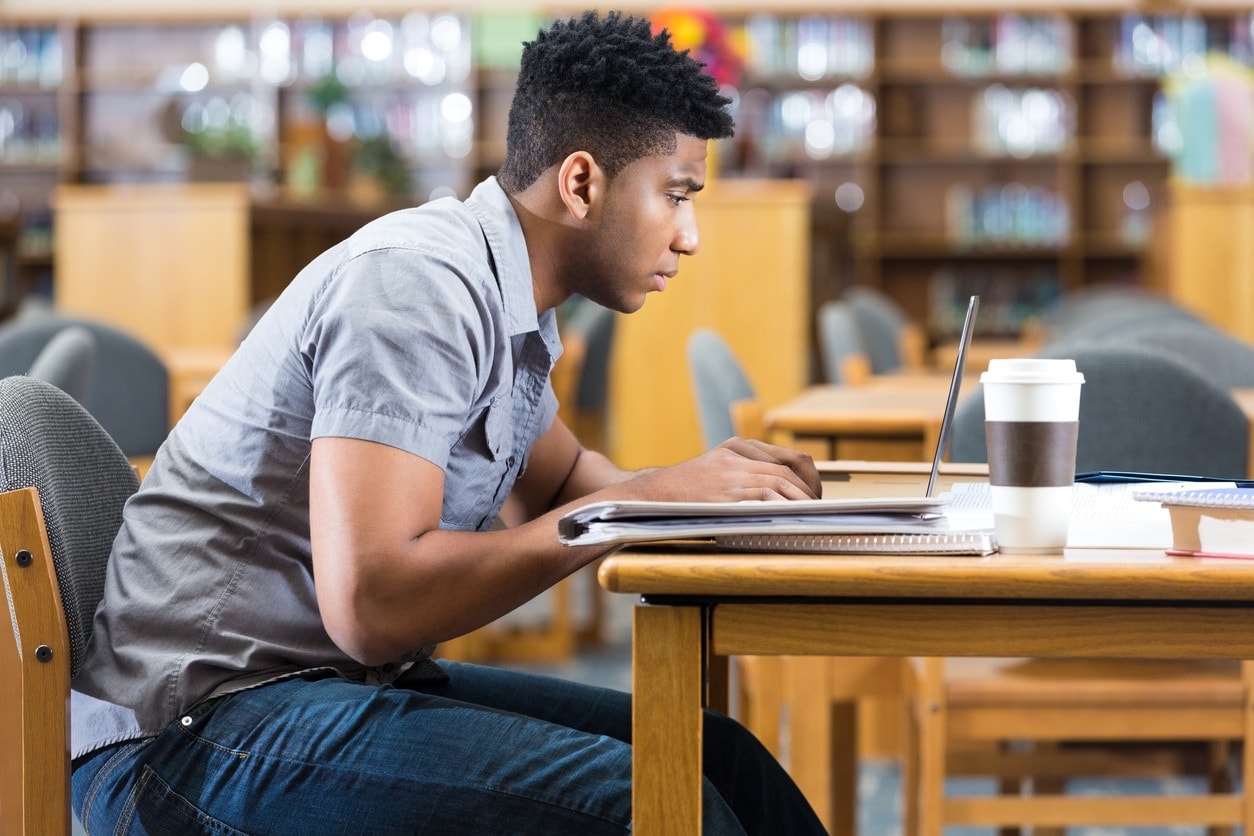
735,470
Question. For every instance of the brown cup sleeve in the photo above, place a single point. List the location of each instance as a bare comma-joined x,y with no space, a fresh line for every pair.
1031,454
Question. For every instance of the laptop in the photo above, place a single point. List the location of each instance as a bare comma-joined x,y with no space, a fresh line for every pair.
951,404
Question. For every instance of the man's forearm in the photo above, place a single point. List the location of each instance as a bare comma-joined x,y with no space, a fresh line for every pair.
592,471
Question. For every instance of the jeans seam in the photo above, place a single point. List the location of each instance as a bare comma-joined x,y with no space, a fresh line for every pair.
195,738
128,810
98,780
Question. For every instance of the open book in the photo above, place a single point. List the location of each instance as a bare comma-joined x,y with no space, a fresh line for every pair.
879,525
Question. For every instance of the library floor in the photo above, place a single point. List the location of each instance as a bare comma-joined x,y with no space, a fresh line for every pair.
879,787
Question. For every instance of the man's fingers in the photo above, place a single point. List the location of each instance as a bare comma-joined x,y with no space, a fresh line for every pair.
799,466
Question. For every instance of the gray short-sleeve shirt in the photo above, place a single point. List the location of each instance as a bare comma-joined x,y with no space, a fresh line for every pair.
420,332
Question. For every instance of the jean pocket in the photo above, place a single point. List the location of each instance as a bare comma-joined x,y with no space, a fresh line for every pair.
156,810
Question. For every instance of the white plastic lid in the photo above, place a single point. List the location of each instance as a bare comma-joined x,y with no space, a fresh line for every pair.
1031,370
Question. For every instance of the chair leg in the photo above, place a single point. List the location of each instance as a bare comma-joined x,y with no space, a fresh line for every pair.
761,690
1219,777
813,732
910,771
931,712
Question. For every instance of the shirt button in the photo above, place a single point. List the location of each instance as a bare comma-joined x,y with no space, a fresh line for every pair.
187,721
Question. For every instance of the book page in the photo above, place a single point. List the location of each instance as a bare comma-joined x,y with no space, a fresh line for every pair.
1103,515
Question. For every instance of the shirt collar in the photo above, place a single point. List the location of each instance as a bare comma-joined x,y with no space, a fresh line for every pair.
504,234
508,246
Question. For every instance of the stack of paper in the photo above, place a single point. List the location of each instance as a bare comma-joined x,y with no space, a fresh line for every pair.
840,525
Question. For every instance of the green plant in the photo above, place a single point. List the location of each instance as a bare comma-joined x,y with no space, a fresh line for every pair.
378,158
326,93
230,141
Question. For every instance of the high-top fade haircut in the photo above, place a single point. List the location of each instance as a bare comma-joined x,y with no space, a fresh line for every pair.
609,87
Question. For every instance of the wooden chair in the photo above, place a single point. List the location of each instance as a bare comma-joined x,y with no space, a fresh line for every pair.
1032,723
63,482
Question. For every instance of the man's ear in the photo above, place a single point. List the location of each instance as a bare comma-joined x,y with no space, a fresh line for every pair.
580,184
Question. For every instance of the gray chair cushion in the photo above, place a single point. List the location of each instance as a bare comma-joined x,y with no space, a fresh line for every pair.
840,336
718,381
68,361
130,388
48,441
880,322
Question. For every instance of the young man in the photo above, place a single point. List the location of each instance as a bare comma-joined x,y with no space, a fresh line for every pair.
324,514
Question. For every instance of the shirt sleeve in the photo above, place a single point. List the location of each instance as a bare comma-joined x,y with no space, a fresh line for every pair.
401,347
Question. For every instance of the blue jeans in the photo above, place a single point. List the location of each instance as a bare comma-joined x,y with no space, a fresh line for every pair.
488,751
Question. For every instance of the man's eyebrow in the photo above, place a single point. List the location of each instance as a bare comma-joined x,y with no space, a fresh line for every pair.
688,183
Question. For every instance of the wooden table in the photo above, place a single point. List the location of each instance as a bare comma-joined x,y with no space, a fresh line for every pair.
892,417
700,607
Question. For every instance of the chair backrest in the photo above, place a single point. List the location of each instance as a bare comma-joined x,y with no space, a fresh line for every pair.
10,234
67,361
63,483
891,340
841,349
1105,310
595,326
718,381
1141,409
1227,360
130,388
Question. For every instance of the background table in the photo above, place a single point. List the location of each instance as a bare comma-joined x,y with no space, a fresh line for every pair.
893,417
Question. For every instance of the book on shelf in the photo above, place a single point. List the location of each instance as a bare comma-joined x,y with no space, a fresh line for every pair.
834,526
1208,522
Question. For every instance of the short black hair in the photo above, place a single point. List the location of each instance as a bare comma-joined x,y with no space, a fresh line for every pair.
609,87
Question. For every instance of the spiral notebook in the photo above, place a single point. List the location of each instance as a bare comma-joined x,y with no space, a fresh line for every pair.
972,542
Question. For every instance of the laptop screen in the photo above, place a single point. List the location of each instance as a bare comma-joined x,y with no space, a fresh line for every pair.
955,383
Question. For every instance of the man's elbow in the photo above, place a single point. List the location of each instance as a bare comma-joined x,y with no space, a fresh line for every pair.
364,631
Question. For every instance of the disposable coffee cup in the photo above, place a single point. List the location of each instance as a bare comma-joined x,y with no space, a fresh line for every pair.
1032,423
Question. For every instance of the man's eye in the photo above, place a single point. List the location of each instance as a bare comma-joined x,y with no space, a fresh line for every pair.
678,198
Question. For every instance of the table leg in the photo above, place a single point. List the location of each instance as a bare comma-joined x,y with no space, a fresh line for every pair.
666,719
823,754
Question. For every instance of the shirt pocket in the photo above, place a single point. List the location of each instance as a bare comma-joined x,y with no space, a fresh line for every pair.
480,472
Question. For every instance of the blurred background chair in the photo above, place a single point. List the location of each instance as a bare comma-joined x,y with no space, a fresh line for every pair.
1052,733
1141,409
582,373
718,381
11,285
1226,360
129,392
67,361
841,350
1104,311
891,340
63,482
